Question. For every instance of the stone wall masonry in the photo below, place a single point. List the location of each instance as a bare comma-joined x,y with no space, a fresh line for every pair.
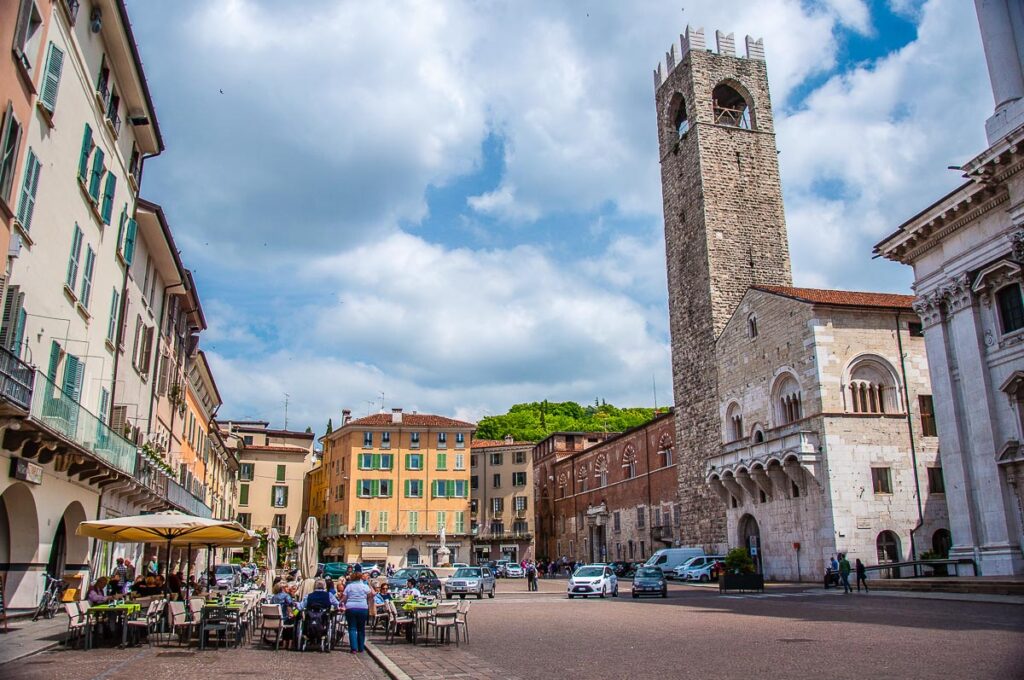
724,231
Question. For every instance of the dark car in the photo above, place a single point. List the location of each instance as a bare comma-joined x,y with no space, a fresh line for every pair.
649,581
426,580
622,569
337,570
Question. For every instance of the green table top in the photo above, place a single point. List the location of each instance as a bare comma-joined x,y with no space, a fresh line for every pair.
128,606
229,605
412,606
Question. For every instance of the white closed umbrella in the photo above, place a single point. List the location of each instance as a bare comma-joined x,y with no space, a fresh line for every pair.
309,553
272,537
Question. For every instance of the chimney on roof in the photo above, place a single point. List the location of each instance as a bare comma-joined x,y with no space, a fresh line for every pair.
346,417
396,415
509,439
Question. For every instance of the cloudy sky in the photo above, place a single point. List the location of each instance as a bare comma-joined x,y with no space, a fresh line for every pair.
458,204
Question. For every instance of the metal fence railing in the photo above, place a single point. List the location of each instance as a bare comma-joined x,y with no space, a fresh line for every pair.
179,496
55,409
16,379
923,568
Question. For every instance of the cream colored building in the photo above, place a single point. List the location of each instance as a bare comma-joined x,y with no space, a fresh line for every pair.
501,488
271,478
394,480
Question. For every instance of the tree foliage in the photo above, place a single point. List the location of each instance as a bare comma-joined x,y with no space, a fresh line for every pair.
536,420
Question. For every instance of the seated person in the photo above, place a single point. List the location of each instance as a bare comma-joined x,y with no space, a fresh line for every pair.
139,585
383,595
283,598
98,592
319,597
410,589
114,586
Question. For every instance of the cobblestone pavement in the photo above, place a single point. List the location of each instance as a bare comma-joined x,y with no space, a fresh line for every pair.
792,631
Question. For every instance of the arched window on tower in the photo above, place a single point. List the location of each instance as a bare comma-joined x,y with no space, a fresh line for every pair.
734,424
677,116
629,462
752,326
730,107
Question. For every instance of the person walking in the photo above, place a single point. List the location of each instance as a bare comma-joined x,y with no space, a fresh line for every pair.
862,575
531,576
844,573
357,598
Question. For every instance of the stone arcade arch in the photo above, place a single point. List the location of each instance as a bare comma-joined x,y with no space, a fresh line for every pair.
19,542
750,538
68,550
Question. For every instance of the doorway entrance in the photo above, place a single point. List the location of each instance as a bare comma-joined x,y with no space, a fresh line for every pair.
750,538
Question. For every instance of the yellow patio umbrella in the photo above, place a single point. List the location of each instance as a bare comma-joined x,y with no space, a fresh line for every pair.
172,527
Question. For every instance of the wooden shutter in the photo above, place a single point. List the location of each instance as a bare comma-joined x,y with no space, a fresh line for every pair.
408,489
243,494
97,174
118,418
83,160
10,317
51,373
147,350
129,241
51,78
76,252
285,497
10,141
104,403
28,190
90,263
450,488
112,324
108,197
73,370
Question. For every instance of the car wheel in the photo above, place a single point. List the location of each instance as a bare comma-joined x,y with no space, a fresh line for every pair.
664,592
570,597
704,578
602,593
635,596
615,593
491,594
450,596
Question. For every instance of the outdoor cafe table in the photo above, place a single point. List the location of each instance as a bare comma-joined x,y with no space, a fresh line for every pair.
124,611
413,607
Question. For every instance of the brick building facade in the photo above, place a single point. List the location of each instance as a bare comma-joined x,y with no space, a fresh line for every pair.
616,500
725,230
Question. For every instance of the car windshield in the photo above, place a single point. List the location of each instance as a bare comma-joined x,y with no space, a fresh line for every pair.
648,572
405,574
467,573
692,562
589,572
224,569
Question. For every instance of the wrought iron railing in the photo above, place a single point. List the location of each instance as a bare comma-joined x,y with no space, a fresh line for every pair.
179,496
57,410
16,379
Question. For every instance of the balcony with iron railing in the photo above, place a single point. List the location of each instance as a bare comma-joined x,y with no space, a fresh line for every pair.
179,496
16,380
59,412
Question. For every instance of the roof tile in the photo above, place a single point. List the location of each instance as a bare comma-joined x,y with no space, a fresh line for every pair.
842,298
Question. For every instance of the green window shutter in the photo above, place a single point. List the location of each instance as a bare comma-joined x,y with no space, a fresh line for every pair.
450,490
285,497
51,373
19,332
243,494
108,197
280,473
272,497
375,461
129,241
104,402
97,174
83,161
76,253
112,324
408,461
90,263
73,373
375,488
28,190
442,461
51,79
408,489
122,222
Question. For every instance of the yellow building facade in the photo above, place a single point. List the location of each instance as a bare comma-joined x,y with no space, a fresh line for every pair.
393,481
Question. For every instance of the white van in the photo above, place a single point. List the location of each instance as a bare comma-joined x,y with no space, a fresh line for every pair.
667,559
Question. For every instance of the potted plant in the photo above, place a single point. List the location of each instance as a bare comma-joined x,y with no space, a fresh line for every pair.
937,569
739,572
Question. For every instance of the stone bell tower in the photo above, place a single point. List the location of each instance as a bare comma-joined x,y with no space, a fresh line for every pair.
725,231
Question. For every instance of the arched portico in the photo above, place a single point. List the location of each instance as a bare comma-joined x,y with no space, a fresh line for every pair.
19,545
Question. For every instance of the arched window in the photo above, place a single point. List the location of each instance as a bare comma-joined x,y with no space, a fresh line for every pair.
752,326
872,387
581,478
678,117
730,107
888,547
601,470
787,399
942,541
629,462
734,422
563,483
758,433
665,448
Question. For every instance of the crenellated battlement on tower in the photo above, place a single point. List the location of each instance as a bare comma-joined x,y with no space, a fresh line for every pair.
693,39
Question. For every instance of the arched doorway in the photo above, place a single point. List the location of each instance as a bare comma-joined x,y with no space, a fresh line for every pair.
412,557
750,538
888,546
942,541
19,541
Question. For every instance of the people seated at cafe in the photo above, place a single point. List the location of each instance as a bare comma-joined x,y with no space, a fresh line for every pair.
194,586
114,588
383,594
98,592
410,589
282,597
319,598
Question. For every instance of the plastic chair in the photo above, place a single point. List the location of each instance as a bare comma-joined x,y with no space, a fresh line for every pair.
177,619
443,622
149,623
397,621
274,620
76,623
462,616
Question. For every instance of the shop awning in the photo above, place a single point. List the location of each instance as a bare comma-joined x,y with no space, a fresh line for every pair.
333,552
373,553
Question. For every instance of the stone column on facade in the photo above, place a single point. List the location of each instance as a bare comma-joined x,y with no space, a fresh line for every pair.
1001,53
977,392
1014,473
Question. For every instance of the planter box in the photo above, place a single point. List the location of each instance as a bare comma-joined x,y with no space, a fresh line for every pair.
741,582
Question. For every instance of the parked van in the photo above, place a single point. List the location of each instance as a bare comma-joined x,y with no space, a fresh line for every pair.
667,559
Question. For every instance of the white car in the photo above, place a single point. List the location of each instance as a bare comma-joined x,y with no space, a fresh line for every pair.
513,570
698,568
593,579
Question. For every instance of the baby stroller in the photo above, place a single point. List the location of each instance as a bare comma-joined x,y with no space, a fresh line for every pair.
317,629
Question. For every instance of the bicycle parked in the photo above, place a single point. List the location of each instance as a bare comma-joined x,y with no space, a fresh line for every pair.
50,602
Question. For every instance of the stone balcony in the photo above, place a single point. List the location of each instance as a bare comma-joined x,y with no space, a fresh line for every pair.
783,466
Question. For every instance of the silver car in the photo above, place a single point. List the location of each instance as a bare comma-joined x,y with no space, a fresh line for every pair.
470,581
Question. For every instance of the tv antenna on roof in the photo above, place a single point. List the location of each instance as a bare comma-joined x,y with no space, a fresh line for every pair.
286,397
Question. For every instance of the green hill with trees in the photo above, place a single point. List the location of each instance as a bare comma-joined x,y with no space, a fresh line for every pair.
536,420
